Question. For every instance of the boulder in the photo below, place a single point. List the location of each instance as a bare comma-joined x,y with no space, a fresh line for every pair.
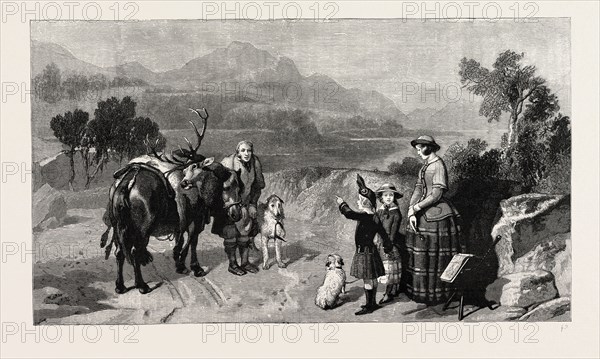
499,314
50,295
522,289
50,223
562,270
527,221
548,310
552,255
48,203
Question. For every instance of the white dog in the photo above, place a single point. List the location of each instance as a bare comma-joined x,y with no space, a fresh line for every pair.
334,283
270,221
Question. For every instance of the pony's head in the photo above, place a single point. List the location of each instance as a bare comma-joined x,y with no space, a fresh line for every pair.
219,187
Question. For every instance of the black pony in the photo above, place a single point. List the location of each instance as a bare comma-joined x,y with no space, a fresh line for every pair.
144,202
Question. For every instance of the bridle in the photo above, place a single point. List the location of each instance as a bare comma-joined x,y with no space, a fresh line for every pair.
228,206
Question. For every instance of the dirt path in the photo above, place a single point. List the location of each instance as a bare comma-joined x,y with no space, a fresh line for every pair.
73,284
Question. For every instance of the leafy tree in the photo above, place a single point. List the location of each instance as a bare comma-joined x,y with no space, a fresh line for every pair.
106,133
507,88
76,86
543,146
70,129
47,85
130,136
119,81
98,82
142,129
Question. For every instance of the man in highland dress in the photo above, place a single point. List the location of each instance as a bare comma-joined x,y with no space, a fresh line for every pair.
240,234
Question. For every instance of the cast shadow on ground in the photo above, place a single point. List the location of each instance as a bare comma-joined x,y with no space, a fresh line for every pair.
290,253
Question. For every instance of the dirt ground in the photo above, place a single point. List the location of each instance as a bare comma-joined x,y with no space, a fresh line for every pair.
74,284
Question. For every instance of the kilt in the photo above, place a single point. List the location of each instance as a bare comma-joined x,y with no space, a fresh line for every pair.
429,252
392,266
367,263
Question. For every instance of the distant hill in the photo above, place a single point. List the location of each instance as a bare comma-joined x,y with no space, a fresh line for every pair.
240,74
43,53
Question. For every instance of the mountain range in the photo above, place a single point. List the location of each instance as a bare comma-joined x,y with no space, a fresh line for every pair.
258,76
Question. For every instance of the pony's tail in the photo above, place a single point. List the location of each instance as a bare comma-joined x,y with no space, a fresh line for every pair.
104,238
122,211
143,256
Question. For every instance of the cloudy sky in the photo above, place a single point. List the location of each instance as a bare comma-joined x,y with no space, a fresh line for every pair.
390,56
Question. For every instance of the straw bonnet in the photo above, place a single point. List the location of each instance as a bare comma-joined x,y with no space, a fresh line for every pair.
389,187
425,140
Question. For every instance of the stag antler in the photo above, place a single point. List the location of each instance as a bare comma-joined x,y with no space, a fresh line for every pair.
192,153
199,135
154,152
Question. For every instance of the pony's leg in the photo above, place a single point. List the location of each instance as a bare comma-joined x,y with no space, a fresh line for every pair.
177,253
120,283
139,280
265,251
194,264
181,245
280,263
180,262
178,245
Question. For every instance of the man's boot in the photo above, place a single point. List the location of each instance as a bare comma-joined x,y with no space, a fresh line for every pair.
234,268
244,255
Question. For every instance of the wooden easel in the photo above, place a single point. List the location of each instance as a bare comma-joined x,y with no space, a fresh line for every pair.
459,281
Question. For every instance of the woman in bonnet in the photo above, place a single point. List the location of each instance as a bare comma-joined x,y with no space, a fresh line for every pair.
433,233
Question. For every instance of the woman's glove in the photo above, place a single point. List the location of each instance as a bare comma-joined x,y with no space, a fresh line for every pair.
412,220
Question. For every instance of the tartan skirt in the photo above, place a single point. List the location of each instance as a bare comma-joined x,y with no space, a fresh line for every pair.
392,266
367,264
429,252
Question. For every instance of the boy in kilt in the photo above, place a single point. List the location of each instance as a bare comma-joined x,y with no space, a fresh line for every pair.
366,264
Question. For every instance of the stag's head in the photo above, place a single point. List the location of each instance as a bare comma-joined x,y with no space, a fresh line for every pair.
182,157
193,173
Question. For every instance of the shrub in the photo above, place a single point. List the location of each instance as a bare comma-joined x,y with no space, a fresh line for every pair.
472,161
558,178
409,166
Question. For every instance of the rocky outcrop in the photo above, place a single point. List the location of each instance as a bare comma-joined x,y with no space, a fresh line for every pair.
309,193
527,221
548,310
48,203
552,255
502,313
534,256
522,289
